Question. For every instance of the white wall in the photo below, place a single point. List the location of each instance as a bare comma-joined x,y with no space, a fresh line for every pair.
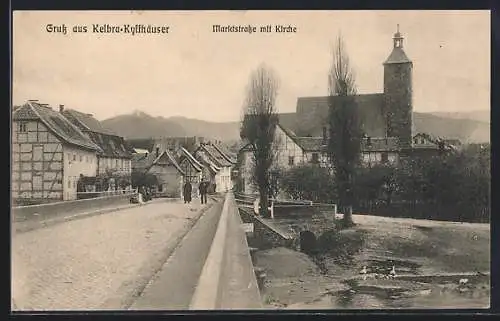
121,165
76,161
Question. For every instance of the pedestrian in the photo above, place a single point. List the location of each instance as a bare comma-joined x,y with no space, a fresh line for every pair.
203,191
187,192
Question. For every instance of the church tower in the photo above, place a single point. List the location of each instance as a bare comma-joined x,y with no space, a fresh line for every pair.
398,93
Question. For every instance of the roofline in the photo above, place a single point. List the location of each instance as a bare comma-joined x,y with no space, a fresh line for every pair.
98,149
223,154
172,159
293,138
213,157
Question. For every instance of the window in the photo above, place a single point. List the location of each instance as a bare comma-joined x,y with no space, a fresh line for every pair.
415,140
422,141
74,157
69,182
22,127
385,157
315,158
116,164
81,158
290,160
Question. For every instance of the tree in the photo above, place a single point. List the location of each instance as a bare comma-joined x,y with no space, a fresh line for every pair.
344,126
309,182
258,128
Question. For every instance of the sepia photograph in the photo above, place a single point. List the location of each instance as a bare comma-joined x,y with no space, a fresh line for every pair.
250,160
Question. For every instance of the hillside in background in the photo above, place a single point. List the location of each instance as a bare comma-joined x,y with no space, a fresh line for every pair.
479,115
142,125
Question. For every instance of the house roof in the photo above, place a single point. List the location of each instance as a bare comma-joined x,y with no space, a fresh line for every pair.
397,56
207,160
378,144
56,123
225,153
190,158
112,146
215,155
312,114
436,141
166,158
310,144
145,161
86,122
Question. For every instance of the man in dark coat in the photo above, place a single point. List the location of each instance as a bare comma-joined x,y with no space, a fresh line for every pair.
187,192
203,191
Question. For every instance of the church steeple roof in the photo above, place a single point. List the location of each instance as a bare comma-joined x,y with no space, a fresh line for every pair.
397,56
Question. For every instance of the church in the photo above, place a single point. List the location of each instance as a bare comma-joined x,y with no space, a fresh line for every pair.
386,118
386,121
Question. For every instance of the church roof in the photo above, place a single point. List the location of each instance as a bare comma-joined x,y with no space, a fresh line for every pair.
397,56
312,115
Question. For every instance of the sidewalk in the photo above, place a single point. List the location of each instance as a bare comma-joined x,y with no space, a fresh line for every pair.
33,224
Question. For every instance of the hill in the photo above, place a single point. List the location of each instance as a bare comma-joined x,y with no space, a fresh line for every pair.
467,130
142,125
478,115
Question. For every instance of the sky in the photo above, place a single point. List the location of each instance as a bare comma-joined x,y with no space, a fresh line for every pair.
195,73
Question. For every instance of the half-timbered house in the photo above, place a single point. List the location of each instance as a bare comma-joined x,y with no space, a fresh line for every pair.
49,154
192,169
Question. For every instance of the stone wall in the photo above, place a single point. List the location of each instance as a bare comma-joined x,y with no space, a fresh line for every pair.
263,236
284,230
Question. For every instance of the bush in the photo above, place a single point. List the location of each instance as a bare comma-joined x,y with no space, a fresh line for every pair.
450,187
309,182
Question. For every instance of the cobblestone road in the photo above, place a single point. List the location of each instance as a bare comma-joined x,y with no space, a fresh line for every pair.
96,261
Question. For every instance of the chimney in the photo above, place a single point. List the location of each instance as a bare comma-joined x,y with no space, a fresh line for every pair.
61,108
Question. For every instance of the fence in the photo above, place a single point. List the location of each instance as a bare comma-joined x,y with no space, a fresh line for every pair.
87,195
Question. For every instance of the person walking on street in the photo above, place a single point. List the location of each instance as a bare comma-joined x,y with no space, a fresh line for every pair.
203,192
187,192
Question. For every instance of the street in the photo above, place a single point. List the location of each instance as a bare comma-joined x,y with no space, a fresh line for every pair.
104,261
